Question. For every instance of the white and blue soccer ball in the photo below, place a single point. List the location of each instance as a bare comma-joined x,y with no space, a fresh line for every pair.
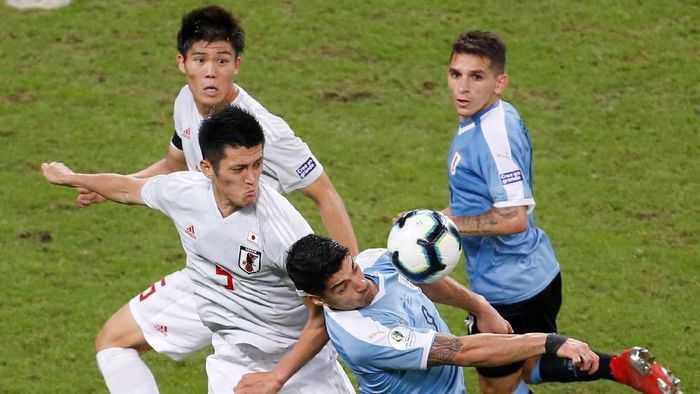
425,245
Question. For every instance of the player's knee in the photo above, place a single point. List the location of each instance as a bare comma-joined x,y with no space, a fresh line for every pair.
498,385
499,380
107,337
121,330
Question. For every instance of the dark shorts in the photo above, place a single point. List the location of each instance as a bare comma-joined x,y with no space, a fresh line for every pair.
537,314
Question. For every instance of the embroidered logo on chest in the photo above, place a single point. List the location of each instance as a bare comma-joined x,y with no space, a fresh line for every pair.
249,260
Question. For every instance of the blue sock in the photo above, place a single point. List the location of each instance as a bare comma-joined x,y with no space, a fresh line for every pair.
522,388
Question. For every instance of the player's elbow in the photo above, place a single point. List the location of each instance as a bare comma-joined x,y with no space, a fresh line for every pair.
519,225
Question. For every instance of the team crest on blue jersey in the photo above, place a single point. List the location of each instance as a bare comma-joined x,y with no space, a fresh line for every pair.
306,168
249,260
511,177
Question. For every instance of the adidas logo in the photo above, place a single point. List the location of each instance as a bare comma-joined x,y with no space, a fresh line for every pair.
187,133
189,230
163,329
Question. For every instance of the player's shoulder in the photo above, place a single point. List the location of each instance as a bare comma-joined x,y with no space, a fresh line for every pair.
269,196
375,258
184,95
274,127
179,185
277,214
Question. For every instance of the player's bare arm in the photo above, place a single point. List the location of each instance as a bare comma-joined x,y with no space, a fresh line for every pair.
450,292
333,212
486,350
496,221
118,188
313,337
173,161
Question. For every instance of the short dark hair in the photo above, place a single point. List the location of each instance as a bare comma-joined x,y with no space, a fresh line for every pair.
312,260
485,44
210,24
233,127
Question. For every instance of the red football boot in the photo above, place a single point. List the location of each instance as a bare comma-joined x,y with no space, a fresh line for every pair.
636,368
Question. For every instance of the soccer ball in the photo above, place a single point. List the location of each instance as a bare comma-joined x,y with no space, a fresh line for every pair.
425,245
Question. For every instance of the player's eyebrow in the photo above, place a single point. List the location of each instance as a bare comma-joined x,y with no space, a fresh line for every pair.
353,267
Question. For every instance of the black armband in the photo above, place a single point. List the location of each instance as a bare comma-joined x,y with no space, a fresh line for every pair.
553,343
177,141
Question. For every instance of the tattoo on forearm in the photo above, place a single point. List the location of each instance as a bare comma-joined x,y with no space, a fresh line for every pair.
443,349
483,224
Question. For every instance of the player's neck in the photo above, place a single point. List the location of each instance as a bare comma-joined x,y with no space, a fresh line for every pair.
225,206
209,110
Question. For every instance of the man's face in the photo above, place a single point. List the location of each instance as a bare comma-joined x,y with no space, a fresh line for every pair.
473,84
348,289
210,68
236,180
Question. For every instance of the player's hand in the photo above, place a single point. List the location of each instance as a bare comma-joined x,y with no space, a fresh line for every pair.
88,197
580,354
56,173
492,322
258,383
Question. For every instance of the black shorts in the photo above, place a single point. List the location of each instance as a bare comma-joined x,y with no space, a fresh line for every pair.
537,314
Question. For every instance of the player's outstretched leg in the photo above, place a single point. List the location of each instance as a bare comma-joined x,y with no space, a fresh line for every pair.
636,368
118,346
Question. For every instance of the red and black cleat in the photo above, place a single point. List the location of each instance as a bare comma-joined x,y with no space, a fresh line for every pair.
636,368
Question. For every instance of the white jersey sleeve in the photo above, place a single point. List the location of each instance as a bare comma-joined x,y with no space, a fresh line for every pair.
161,191
289,163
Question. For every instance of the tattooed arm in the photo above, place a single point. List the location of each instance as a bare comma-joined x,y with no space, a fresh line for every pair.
496,221
488,350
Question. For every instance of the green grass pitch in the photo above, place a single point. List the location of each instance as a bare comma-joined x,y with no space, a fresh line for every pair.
609,91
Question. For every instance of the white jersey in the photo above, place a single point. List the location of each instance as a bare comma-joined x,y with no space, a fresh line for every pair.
288,165
237,263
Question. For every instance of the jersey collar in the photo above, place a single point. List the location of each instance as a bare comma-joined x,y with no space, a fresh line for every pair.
478,115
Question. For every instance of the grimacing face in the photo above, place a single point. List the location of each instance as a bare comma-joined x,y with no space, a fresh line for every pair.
210,68
236,181
473,85
348,289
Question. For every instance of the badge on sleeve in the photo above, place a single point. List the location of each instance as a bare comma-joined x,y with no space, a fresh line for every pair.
511,177
401,338
306,168
249,260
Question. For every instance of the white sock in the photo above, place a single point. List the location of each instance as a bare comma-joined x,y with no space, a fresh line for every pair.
124,372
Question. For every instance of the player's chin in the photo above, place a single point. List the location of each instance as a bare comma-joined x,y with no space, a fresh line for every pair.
250,199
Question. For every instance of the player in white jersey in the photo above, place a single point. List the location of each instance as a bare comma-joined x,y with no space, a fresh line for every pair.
392,336
236,232
163,317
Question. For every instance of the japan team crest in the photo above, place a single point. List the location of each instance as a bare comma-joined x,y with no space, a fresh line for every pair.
249,260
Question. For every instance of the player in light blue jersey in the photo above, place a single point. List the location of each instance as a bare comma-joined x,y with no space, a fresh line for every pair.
390,333
510,261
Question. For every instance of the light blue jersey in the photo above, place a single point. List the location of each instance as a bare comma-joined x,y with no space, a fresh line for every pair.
490,165
387,343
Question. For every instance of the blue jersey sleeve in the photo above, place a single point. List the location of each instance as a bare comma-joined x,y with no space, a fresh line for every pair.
506,158
370,345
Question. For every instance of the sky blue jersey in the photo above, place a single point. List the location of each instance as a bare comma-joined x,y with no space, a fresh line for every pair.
387,343
490,165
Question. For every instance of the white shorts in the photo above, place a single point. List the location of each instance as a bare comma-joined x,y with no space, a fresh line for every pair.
321,375
167,315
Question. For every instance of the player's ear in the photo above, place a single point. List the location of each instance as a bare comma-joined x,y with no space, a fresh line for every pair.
316,300
207,168
238,63
501,84
180,63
